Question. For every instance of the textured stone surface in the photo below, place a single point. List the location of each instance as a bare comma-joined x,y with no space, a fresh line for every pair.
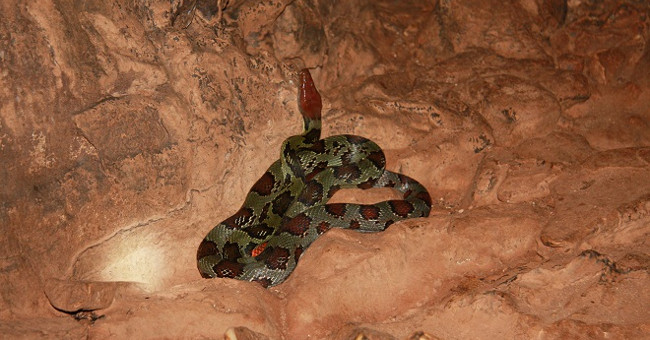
128,129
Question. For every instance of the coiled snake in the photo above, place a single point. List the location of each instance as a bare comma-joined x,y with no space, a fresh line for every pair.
285,210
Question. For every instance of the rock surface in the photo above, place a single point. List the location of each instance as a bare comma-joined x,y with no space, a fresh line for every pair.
129,128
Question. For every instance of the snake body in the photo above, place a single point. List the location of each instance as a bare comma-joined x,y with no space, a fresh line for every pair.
286,209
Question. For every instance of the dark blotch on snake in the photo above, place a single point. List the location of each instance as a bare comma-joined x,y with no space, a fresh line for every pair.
297,225
275,257
282,203
318,147
259,231
312,137
348,172
424,196
297,253
369,212
335,209
231,251
206,248
316,170
378,159
227,268
264,185
401,208
323,227
311,194
239,218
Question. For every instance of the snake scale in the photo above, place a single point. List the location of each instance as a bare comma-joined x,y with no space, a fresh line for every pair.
286,209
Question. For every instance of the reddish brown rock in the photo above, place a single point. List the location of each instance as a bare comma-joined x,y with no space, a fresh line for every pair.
129,129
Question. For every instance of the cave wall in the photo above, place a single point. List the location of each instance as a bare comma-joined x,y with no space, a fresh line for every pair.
128,129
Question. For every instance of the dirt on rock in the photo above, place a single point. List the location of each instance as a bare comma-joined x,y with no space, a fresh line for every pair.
128,129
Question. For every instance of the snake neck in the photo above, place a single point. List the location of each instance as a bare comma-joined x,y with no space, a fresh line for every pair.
293,147
312,128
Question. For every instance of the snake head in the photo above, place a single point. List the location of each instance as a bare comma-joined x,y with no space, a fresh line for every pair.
309,102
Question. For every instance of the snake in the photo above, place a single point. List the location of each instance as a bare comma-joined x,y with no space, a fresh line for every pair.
286,210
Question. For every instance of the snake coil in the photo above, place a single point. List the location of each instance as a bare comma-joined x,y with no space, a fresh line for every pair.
286,209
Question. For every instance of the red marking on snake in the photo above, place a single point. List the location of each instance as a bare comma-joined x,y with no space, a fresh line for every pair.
259,249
